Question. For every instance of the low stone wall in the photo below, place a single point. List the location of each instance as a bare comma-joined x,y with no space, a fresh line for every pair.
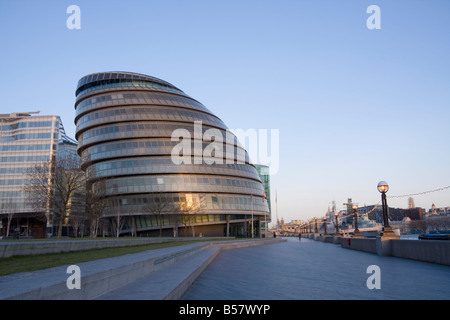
13,248
326,238
361,244
435,251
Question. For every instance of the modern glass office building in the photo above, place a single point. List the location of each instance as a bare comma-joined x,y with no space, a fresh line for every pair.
26,140
264,175
125,129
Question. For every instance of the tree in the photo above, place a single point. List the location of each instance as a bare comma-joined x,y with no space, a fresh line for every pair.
175,219
188,211
184,211
117,220
417,225
10,208
438,223
95,205
103,226
158,205
76,221
55,185
117,223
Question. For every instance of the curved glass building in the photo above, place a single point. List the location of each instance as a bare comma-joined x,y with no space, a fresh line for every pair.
125,125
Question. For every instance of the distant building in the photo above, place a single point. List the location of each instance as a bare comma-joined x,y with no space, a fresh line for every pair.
438,211
25,141
395,214
290,228
411,204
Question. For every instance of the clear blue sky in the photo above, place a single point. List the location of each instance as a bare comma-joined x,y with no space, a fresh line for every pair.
353,106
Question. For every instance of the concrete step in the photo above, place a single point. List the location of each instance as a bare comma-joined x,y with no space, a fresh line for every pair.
169,283
97,277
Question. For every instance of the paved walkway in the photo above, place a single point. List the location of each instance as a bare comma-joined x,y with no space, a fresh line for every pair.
313,270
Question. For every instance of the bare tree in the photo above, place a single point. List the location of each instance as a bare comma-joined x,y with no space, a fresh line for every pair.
10,209
117,223
158,205
103,225
174,219
438,223
117,220
55,185
95,205
77,214
188,211
76,221
417,225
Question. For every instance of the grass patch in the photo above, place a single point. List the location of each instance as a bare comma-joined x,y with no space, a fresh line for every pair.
43,261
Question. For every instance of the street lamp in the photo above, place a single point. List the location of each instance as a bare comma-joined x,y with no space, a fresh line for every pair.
356,233
337,227
383,187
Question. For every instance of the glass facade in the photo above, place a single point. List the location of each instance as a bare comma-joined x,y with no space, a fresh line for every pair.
26,140
125,122
264,174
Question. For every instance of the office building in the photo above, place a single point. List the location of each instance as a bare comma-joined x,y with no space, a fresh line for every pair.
264,175
25,141
125,129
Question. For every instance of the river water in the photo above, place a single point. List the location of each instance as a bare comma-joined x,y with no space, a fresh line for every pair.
314,270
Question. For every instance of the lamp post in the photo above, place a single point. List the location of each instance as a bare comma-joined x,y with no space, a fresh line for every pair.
337,226
356,233
383,187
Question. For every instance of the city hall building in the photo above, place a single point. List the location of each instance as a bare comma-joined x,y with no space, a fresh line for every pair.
132,132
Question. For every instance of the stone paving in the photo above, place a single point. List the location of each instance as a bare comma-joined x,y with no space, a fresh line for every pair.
314,270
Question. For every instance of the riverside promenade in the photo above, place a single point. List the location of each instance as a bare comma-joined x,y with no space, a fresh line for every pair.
259,269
